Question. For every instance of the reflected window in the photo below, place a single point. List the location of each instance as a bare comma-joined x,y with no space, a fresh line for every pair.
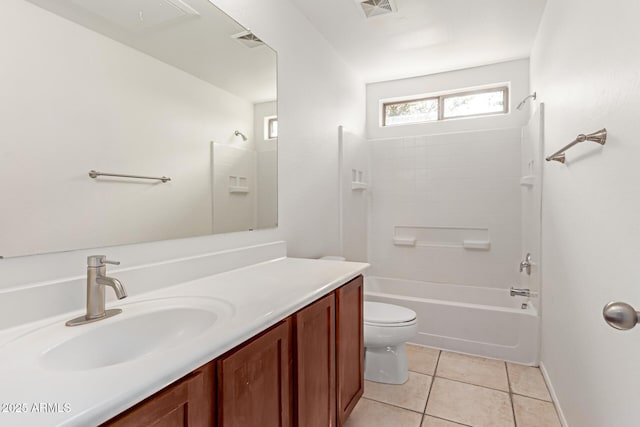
272,128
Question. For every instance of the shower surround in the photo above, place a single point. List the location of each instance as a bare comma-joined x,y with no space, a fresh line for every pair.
446,218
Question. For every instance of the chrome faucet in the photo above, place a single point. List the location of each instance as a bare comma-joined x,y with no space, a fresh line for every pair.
96,282
526,264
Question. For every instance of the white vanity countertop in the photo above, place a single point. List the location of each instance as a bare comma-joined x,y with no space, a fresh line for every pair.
259,296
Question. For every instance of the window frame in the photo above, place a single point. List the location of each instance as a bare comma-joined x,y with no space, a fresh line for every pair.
270,122
441,98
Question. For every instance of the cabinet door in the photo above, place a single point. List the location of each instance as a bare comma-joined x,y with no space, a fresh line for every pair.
315,351
254,382
187,402
349,347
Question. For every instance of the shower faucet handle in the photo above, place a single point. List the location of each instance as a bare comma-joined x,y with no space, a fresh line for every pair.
525,265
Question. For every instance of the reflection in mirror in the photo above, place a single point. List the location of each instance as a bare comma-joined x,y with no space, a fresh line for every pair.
151,88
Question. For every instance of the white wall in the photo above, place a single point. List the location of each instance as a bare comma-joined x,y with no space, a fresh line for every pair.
316,93
355,156
459,180
585,68
267,174
515,72
74,100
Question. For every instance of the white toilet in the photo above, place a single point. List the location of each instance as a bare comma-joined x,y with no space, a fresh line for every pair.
386,329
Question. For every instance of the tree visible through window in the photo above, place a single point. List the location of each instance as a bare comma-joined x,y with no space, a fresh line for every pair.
421,110
447,106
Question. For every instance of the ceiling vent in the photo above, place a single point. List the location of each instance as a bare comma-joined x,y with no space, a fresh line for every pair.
373,8
248,39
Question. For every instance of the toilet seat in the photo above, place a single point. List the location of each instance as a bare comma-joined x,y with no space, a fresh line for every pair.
391,325
381,314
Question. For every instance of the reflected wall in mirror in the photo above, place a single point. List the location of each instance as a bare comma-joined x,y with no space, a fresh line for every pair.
156,88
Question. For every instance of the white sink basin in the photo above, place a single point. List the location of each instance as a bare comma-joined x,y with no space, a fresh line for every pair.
143,328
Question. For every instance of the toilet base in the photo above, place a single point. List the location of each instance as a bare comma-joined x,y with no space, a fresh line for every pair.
386,364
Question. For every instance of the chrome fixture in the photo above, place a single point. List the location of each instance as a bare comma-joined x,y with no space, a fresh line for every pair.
95,174
532,96
96,282
620,315
599,136
522,292
526,264
238,133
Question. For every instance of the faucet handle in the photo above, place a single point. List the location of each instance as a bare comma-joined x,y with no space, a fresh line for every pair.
99,261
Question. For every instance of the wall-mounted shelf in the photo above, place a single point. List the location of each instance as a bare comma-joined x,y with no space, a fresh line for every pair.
359,186
404,241
527,181
238,189
481,245
469,238
238,184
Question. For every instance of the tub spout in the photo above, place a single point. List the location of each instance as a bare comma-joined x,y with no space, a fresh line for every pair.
522,292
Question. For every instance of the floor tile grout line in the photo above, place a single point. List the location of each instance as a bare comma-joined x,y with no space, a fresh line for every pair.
433,378
513,408
391,404
531,397
555,408
476,385
448,420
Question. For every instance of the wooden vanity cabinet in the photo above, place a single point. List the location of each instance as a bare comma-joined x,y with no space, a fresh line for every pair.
254,381
315,364
329,357
188,402
306,371
349,347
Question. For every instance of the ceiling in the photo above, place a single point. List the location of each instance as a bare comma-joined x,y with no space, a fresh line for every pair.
426,36
192,35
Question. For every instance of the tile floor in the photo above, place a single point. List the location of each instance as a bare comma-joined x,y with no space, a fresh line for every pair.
448,389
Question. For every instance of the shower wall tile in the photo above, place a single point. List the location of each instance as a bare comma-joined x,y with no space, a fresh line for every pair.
467,179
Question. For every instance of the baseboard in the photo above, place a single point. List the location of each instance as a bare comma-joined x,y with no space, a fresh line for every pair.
554,396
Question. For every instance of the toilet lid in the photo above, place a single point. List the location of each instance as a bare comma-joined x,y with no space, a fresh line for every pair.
381,313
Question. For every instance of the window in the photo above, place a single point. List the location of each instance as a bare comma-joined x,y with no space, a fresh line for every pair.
447,106
416,111
272,128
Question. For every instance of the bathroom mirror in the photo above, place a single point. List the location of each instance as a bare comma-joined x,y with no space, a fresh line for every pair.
168,89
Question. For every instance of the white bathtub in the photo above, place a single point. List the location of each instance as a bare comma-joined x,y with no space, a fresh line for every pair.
468,319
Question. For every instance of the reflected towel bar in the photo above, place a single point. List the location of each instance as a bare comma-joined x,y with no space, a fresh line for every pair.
95,174
599,136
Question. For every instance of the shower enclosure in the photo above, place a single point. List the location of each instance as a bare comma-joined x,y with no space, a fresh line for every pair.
452,216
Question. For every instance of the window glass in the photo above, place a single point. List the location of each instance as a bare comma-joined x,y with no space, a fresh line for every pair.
273,128
420,110
446,106
474,104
